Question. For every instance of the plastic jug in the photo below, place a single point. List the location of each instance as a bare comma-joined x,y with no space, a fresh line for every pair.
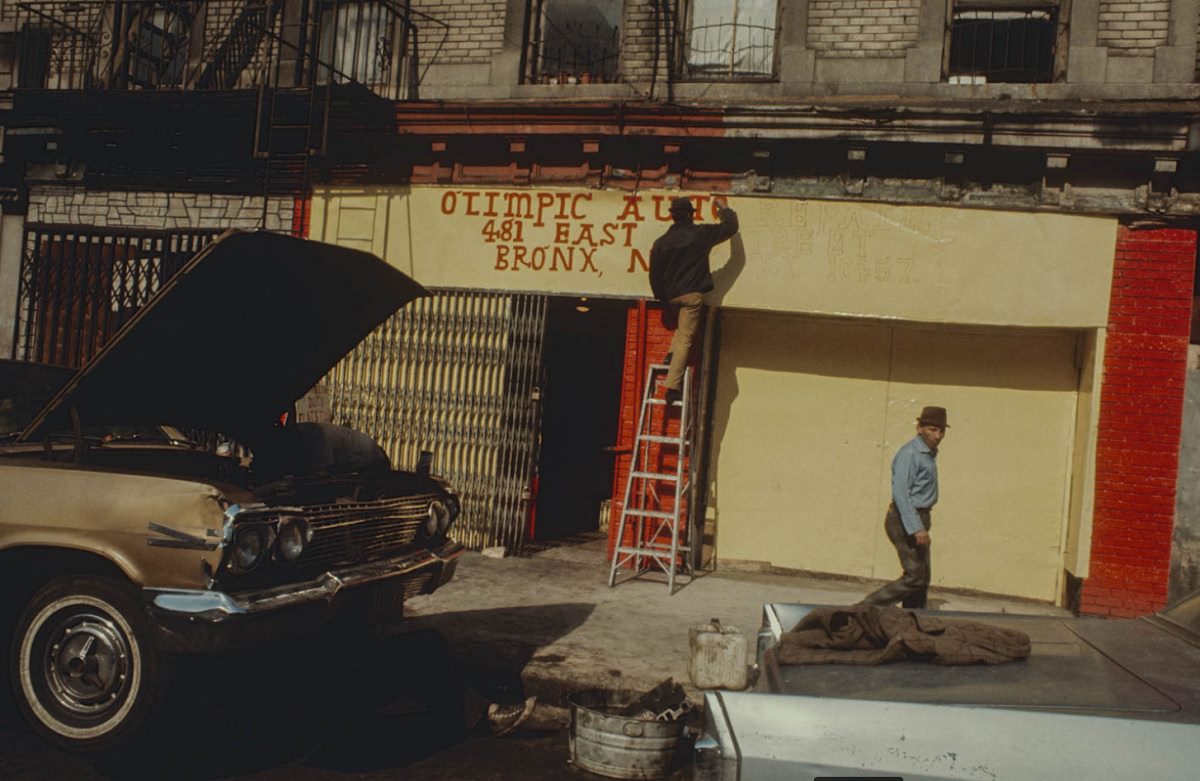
718,657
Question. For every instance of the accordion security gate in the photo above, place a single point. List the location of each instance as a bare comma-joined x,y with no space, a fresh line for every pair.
457,374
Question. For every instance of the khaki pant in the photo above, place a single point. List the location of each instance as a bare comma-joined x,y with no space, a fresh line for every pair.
689,306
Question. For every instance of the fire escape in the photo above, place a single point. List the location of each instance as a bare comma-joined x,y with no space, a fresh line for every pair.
321,74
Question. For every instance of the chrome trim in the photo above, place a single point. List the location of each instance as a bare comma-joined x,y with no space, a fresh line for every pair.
177,539
218,606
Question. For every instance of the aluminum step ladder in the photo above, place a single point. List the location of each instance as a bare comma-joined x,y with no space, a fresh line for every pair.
653,505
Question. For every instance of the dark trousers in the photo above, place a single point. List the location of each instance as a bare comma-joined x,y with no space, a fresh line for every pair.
911,588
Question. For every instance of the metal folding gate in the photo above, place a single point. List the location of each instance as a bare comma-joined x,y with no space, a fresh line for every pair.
458,374
78,286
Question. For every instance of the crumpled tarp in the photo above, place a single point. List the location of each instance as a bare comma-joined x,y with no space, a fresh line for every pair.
866,634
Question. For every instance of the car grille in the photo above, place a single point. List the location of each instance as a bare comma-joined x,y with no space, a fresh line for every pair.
354,532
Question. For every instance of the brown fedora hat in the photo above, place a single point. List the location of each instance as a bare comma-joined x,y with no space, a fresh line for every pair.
933,416
682,204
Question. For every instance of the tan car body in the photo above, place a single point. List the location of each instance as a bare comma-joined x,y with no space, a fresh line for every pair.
124,543
113,516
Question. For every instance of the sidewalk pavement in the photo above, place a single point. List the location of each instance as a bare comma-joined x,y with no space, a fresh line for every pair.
552,618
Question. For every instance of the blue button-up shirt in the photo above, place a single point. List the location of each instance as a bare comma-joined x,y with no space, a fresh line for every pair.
914,482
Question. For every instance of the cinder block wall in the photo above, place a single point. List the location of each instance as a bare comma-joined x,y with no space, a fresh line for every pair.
1133,27
863,28
476,30
1137,456
644,53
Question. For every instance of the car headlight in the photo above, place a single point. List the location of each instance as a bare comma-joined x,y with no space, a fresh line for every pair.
294,535
452,510
249,548
438,518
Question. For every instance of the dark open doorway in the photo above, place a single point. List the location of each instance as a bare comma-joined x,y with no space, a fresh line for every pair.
584,351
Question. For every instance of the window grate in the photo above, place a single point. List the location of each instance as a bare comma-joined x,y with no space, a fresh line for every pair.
1002,46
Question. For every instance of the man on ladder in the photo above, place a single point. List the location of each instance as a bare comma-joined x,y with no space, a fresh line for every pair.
652,509
680,276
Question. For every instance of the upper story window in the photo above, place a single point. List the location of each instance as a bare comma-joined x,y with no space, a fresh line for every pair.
572,41
730,39
1003,42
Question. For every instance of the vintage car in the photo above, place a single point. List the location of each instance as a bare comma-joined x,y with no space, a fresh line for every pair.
123,543
1096,699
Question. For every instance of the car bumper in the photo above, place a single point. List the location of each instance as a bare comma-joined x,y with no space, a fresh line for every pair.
198,621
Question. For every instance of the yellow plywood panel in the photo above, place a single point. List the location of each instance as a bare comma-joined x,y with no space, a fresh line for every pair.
1005,465
809,414
796,435
916,263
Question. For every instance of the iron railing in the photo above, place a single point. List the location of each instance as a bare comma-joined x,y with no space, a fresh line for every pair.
730,49
576,57
1003,46
571,44
78,286
219,44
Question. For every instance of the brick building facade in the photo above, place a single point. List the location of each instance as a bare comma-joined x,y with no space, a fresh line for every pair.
879,104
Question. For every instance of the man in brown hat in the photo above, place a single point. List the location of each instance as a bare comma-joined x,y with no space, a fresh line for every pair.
914,493
680,276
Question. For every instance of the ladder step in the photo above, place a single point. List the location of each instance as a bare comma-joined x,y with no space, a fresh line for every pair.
652,548
649,513
656,476
660,438
676,403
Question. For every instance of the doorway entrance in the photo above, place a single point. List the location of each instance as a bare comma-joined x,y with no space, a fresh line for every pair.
582,360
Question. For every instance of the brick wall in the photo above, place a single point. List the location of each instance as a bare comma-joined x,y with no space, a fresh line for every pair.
647,340
476,30
639,29
1141,404
1133,27
862,28
156,210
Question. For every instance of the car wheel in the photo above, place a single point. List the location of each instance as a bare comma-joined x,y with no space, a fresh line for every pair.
83,668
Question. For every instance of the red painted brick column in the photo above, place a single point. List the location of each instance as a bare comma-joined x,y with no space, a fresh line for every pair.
1141,407
301,217
647,341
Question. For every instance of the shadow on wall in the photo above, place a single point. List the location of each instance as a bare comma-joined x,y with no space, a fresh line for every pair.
723,279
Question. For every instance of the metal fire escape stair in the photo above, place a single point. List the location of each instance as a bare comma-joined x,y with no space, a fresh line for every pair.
653,512
246,36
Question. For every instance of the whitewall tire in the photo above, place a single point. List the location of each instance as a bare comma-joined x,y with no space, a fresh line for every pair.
82,665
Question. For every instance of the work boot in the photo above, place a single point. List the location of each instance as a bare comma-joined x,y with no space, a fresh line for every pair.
505,719
674,395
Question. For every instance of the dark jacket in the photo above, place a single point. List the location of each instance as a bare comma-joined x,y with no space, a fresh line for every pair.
679,258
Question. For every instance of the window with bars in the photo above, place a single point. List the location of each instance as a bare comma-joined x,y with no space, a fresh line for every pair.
573,41
990,43
730,39
78,286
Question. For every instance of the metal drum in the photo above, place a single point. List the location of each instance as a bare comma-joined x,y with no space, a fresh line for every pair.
609,744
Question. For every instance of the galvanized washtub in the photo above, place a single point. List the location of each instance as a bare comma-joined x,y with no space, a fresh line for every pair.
609,744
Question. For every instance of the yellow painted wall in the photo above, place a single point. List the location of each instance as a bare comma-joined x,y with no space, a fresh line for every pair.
830,345
915,263
809,413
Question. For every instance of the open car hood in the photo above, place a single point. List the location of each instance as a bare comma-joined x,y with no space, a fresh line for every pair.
245,328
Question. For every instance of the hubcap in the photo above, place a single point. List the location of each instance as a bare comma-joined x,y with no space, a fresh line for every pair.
86,663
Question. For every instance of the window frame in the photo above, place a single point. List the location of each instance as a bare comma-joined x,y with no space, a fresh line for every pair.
683,68
533,51
1061,9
